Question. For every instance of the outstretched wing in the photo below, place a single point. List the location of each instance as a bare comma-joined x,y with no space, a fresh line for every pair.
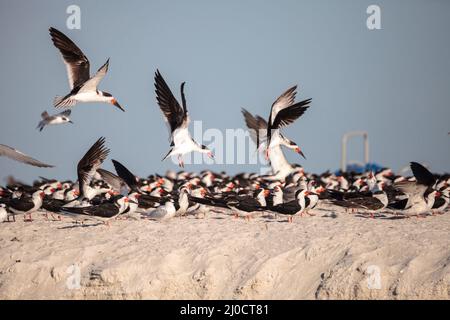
126,175
288,115
422,174
21,157
115,182
256,126
65,113
92,83
76,62
92,160
175,115
283,101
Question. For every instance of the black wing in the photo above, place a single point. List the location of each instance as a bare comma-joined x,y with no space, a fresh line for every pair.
126,175
255,124
422,174
288,115
77,63
21,204
91,161
173,112
283,101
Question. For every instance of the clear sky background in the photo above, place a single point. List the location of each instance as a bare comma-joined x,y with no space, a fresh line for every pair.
394,82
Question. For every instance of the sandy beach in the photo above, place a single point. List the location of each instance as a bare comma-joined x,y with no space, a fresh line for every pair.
332,255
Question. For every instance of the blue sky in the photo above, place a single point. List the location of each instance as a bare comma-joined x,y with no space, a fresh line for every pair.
392,82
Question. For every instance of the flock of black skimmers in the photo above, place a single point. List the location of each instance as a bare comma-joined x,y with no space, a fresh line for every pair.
288,192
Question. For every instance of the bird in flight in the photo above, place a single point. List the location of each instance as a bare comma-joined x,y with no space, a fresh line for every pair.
16,155
59,118
178,119
83,86
283,112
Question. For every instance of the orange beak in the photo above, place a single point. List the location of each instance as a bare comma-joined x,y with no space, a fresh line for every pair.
115,103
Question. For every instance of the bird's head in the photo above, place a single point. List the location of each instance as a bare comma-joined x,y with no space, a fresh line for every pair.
292,145
112,100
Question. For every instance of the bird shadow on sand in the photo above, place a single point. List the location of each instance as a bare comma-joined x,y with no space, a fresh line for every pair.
81,226
380,217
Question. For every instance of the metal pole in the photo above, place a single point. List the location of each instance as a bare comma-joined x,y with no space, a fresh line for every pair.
345,138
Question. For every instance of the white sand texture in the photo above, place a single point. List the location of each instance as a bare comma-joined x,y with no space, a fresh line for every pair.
332,255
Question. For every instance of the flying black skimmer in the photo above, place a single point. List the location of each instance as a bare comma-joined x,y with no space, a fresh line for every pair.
103,212
59,118
16,155
178,119
283,112
420,193
258,127
27,205
83,86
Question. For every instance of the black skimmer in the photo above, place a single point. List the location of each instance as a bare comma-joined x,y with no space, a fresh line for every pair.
283,112
258,127
26,205
294,207
372,202
103,212
241,203
441,203
178,119
16,155
87,168
83,86
420,193
59,118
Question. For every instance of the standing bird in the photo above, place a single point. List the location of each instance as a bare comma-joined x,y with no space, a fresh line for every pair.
21,157
420,193
283,112
83,86
103,212
178,119
27,205
59,118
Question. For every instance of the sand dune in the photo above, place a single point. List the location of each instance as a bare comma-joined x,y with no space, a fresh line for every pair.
332,255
